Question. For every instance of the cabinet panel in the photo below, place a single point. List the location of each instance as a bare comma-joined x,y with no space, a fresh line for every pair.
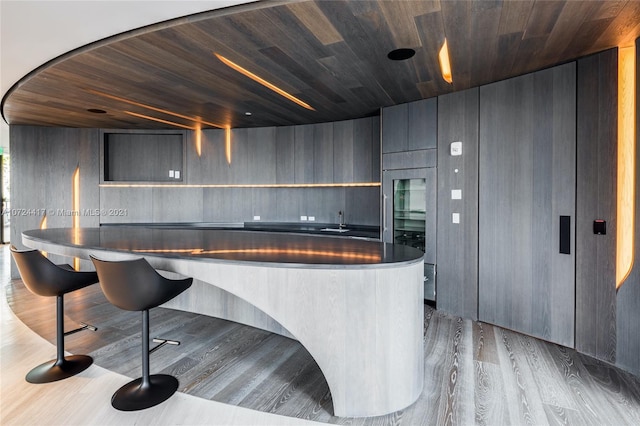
527,181
240,152
422,124
410,127
458,242
409,159
304,168
285,158
323,153
262,155
366,144
343,143
596,199
394,128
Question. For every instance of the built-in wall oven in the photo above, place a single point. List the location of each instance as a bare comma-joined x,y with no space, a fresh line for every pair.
409,216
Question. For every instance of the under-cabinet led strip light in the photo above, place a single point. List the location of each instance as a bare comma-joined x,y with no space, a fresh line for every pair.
259,185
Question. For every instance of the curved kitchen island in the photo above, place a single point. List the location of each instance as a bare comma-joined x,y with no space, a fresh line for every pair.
355,305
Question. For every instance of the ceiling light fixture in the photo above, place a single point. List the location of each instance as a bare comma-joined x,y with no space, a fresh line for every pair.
164,111
445,65
401,54
262,81
159,120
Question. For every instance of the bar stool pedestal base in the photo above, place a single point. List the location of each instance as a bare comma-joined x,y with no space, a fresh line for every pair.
133,396
52,371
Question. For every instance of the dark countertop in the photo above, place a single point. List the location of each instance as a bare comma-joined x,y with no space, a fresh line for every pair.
230,245
327,229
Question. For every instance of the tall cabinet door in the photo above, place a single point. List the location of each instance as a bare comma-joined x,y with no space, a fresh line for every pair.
527,204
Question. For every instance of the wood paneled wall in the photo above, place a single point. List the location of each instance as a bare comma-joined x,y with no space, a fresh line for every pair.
43,161
340,152
457,284
596,199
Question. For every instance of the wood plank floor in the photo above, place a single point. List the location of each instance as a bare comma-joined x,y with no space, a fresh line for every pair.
475,373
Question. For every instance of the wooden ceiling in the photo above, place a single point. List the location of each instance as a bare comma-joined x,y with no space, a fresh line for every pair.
330,54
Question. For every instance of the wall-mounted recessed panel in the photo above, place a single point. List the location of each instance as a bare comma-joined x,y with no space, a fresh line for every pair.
144,157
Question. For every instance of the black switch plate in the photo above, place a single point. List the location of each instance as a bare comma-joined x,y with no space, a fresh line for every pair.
600,227
565,234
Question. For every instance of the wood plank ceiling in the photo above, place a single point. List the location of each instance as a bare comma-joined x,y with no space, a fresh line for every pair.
330,54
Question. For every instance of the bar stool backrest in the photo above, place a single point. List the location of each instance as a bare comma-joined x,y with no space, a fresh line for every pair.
134,285
45,278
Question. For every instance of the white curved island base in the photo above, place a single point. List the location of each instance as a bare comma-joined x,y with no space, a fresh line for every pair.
363,325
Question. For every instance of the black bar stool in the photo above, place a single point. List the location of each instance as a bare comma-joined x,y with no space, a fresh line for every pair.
134,285
44,278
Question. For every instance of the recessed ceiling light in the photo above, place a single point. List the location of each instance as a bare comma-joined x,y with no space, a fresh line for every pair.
445,64
248,113
97,111
262,81
401,54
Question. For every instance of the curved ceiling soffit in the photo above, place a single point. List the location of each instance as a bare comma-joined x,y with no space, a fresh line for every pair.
331,55
137,32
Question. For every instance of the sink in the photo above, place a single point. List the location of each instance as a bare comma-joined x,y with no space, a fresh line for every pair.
334,229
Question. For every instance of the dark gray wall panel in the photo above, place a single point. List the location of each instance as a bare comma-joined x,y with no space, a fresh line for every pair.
376,150
409,159
227,205
422,124
285,154
135,204
362,206
527,181
264,202
323,153
304,151
596,199
290,204
395,128
343,155
410,127
365,150
457,247
177,204
325,203
211,165
240,154
43,161
628,297
262,155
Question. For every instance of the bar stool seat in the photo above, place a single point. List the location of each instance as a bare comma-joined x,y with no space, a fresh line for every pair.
44,278
134,285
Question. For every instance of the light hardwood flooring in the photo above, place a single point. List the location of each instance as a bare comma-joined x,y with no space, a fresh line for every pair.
475,373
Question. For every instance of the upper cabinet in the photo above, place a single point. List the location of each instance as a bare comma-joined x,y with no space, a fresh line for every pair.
410,127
